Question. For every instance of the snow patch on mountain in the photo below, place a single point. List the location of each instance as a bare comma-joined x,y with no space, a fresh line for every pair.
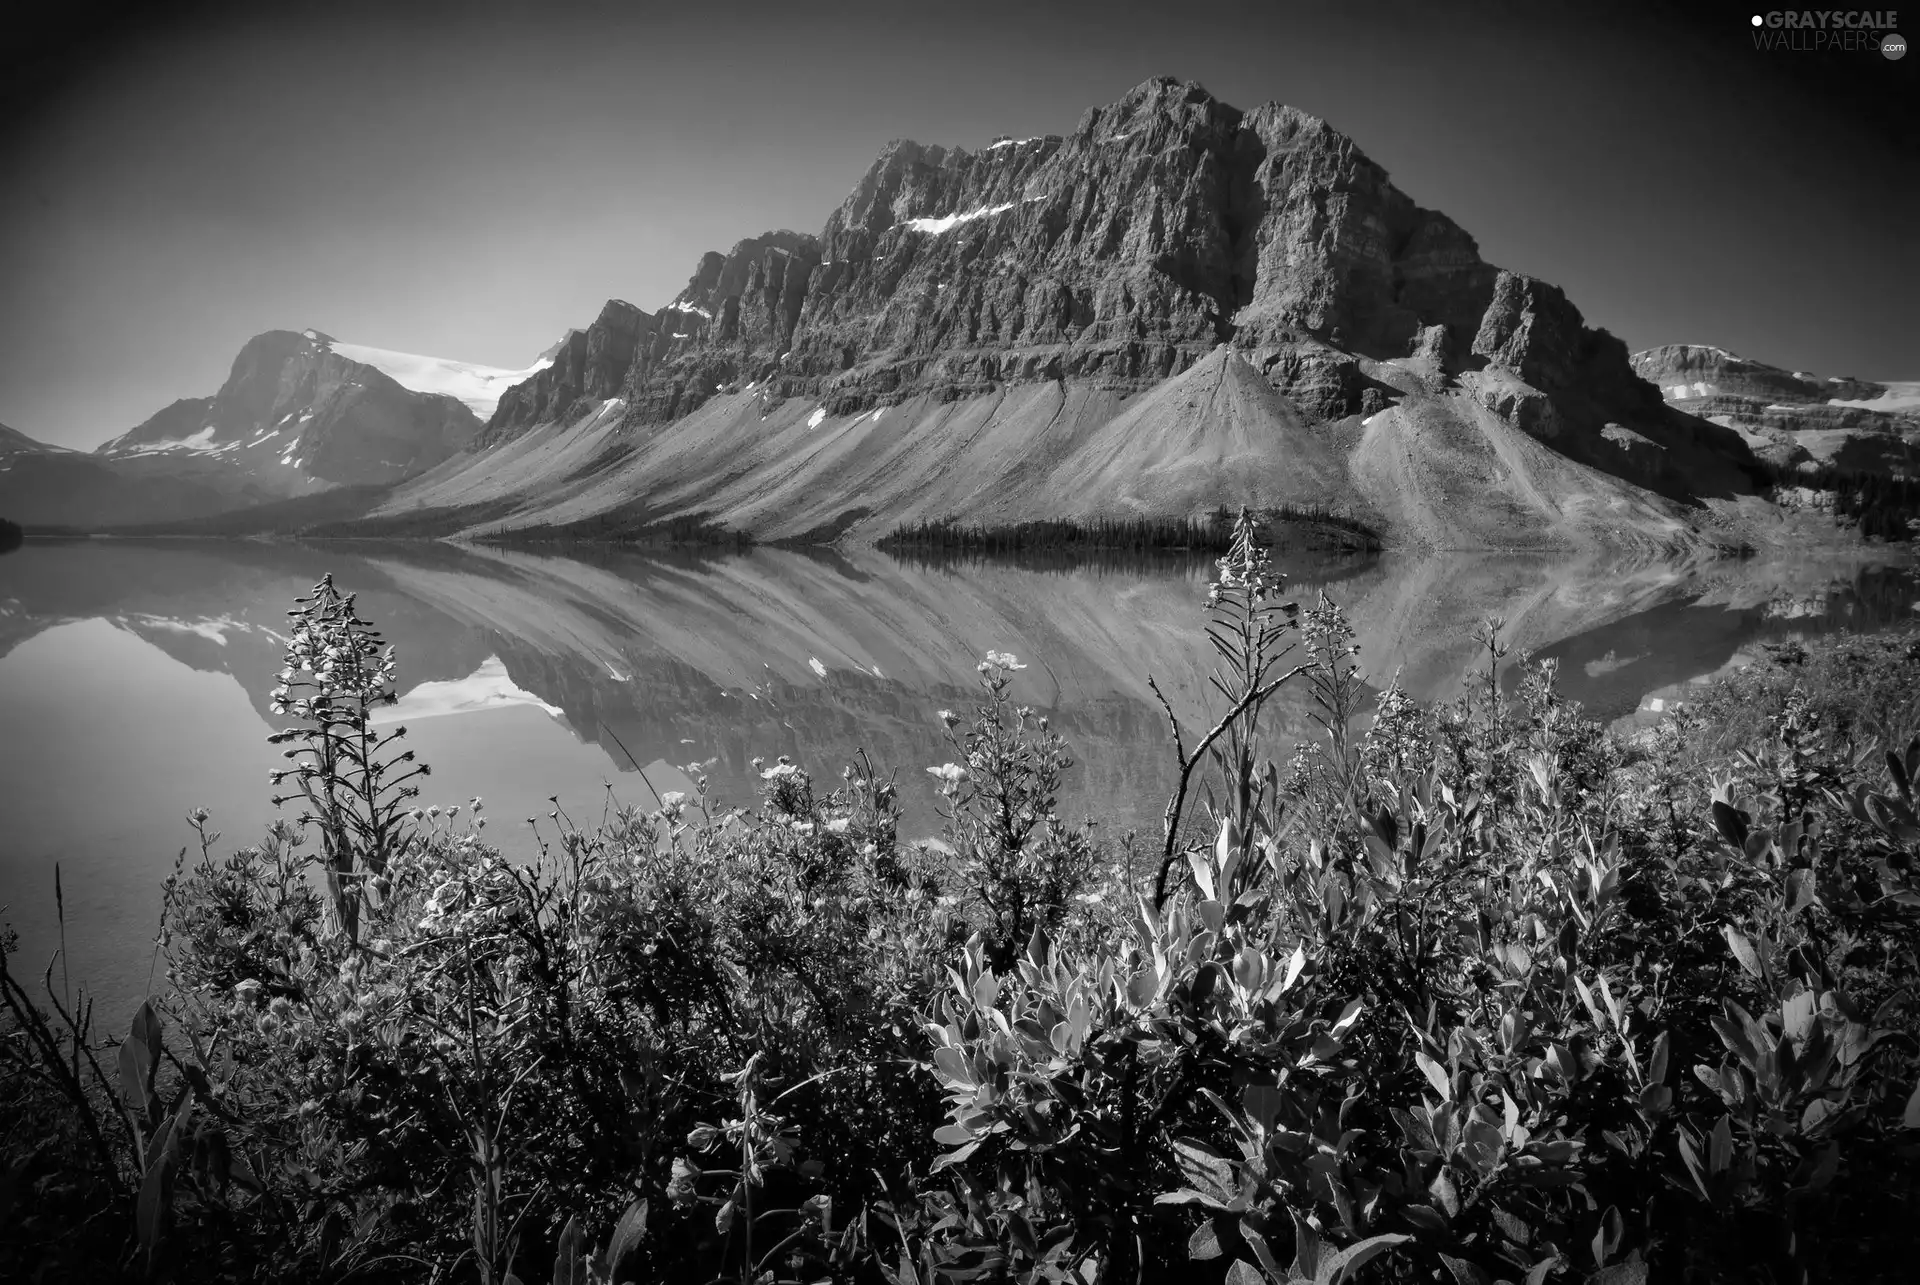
200,443
948,222
476,385
1901,395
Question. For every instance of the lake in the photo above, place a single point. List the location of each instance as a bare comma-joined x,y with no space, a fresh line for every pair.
134,678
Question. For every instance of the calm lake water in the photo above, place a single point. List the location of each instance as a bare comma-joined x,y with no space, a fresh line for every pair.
134,678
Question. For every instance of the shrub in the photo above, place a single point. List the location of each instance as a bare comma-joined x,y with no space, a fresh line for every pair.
1477,993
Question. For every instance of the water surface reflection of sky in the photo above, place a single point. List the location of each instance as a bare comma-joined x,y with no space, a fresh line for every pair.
134,678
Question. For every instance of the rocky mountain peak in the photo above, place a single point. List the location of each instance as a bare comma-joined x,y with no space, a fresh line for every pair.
298,412
1113,259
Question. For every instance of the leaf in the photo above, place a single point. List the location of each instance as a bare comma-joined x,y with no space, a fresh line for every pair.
1306,1248
135,1083
955,1066
1731,822
569,1263
1387,827
1690,1152
1295,963
1205,1169
1800,891
156,1188
1742,950
1910,1118
986,989
1444,1194
1720,1146
625,1242
1465,1273
1435,1073
1202,874
1244,1273
1334,1270
146,1028
1620,1274
1208,1240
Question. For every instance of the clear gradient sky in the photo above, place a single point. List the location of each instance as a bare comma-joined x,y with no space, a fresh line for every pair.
471,180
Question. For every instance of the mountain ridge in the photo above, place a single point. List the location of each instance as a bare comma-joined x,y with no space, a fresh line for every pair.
1791,419
1107,261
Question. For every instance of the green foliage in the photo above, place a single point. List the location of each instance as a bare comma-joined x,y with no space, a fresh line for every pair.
1474,993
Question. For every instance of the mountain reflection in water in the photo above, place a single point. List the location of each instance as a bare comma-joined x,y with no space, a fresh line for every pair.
134,676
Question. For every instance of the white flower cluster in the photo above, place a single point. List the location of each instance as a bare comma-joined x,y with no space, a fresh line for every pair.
1003,661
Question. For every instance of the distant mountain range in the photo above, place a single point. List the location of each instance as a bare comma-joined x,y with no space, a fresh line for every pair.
1178,305
300,413
1792,418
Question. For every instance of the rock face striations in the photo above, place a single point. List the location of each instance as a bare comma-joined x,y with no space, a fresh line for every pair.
1177,305
1790,418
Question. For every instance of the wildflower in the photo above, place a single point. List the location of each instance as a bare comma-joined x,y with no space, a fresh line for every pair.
837,825
778,770
949,773
198,816
1002,660
948,717
245,991
682,1188
281,1007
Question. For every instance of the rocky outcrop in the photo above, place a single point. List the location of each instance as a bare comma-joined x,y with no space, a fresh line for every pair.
1792,419
585,367
973,333
1121,254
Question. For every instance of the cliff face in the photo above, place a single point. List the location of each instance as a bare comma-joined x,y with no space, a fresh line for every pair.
1105,262
1792,419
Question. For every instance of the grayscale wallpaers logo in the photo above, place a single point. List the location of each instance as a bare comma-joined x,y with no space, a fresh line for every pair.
1821,30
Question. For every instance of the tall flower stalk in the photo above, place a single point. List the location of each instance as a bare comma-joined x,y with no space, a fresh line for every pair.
352,777
1251,629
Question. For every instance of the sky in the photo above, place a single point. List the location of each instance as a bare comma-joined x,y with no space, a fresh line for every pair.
469,181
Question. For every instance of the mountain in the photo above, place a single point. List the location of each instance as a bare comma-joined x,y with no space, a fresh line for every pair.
300,417
1175,306
301,412
1791,418
45,485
